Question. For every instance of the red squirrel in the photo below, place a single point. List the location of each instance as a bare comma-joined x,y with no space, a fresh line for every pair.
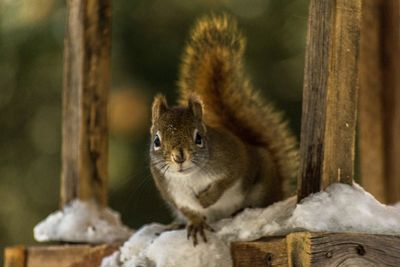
223,148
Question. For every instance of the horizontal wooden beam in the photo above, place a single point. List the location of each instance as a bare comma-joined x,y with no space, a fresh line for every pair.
58,256
295,249
15,257
264,252
318,249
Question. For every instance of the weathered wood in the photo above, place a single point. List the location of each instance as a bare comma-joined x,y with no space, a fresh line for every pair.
86,82
256,253
58,256
319,249
371,123
329,95
391,71
379,105
15,257
344,249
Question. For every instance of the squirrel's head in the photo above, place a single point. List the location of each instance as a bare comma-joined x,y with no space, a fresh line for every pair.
178,137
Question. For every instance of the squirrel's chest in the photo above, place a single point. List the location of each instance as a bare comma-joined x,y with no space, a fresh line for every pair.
184,194
183,189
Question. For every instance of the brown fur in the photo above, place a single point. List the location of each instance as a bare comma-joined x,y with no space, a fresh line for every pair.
248,152
212,68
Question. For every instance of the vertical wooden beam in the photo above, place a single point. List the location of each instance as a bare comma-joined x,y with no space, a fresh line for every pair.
330,95
380,99
86,83
391,83
371,123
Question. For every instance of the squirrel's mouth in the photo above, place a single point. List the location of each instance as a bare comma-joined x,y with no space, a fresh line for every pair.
183,168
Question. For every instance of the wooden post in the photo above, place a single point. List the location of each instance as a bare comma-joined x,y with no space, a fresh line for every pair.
391,83
330,95
380,99
86,82
371,124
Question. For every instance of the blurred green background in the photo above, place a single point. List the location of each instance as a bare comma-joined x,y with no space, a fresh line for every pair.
148,38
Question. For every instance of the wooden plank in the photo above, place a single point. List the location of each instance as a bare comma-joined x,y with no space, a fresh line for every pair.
58,256
68,255
265,252
344,249
330,95
86,82
380,99
299,249
15,257
319,250
391,71
371,110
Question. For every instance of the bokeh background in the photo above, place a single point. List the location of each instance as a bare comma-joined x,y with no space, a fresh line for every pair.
148,38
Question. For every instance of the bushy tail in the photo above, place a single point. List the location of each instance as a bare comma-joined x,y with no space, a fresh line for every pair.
212,69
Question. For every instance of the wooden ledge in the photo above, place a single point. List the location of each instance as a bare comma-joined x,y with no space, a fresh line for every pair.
296,249
58,255
319,249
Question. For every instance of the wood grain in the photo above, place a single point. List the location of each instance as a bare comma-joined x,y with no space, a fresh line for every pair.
347,249
58,256
391,71
371,110
15,257
257,253
319,250
329,95
379,105
86,82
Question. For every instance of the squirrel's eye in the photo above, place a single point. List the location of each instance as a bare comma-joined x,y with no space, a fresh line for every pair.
157,142
198,140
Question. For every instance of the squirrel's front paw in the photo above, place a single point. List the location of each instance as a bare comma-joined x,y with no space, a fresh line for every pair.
206,197
195,228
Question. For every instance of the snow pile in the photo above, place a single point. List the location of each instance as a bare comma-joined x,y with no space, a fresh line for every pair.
149,247
82,222
341,208
397,206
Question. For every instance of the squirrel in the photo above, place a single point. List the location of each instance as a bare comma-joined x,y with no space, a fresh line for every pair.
223,148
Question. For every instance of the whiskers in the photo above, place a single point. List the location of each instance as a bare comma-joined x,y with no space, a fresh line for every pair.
139,191
207,173
199,160
161,165
196,163
165,169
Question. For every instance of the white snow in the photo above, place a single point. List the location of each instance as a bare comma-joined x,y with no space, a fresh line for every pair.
149,247
397,206
341,208
82,221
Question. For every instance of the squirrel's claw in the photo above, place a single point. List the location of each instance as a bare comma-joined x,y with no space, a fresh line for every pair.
198,228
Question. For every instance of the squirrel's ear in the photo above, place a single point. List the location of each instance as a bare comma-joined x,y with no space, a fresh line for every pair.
159,107
196,106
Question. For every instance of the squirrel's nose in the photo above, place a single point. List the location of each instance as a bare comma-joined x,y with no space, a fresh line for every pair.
178,156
